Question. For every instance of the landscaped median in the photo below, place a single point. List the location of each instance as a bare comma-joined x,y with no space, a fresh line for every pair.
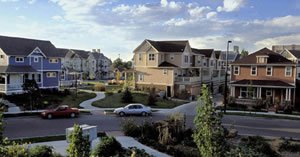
114,100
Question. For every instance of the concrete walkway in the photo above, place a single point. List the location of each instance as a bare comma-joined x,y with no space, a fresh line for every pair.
126,142
12,108
88,103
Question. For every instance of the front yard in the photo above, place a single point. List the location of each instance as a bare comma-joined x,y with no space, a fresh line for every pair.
114,100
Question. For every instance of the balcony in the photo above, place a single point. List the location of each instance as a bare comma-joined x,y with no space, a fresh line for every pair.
187,79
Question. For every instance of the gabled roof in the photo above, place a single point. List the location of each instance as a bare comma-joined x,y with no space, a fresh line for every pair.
166,64
276,83
169,46
296,53
206,52
217,54
63,51
82,53
97,55
273,58
15,46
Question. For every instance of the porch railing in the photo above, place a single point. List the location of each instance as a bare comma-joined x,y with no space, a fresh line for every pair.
245,101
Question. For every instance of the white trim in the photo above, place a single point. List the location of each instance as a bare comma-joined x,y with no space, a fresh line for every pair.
51,74
50,87
242,85
234,70
255,71
19,60
40,51
267,70
291,73
50,60
165,71
34,59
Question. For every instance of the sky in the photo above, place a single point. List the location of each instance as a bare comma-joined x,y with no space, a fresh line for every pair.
119,26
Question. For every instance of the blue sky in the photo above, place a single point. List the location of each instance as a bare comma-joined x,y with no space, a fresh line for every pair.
119,26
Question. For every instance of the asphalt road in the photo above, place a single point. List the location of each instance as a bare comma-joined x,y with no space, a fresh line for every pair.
20,127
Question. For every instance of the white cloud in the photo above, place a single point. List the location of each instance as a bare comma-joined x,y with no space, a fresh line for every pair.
164,3
198,11
231,5
211,15
22,17
284,40
57,18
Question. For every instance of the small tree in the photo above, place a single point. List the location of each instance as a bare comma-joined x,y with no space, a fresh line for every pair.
209,133
108,146
244,53
152,97
127,97
32,89
79,144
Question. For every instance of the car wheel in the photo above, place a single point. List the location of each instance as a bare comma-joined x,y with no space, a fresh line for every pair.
144,114
49,116
121,114
73,115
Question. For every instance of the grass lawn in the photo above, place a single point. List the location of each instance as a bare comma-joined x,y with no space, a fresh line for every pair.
74,101
112,101
263,116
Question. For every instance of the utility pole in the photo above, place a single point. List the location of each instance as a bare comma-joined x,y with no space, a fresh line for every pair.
226,69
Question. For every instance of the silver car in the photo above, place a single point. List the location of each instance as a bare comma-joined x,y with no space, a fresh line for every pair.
133,109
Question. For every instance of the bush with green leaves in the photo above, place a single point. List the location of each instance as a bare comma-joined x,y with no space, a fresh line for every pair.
209,133
152,98
135,152
99,87
127,96
79,145
41,150
130,128
108,146
286,145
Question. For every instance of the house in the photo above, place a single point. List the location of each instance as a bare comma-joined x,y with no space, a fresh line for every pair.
280,48
22,59
263,74
176,69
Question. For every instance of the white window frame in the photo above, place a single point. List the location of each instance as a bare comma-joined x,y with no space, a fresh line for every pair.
141,77
53,60
172,57
252,71
165,71
151,57
271,71
140,57
35,59
186,59
268,91
286,71
51,74
19,59
236,69
211,63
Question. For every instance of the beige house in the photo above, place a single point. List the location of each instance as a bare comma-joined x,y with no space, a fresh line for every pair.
175,68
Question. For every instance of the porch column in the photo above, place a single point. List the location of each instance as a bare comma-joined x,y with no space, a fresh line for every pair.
125,75
289,97
286,94
5,82
259,92
232,91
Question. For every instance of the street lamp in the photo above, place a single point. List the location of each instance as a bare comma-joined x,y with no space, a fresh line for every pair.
226,69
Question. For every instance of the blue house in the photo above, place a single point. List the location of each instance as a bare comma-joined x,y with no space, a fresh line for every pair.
22,59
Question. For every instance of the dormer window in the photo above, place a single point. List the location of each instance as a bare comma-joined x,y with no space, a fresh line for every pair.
262,59
151,57
53,60
19,59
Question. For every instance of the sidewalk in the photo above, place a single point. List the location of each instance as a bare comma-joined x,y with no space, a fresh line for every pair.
125,141
264,113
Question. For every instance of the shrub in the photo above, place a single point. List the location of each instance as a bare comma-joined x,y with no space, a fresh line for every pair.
41,150
109,93
17,150
67,92
79,145
108,146
131,129
148,131
135,152
127,97
99,87
152,97
259,145
286,145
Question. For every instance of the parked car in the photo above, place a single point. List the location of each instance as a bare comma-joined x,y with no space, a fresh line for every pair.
61,111
133,109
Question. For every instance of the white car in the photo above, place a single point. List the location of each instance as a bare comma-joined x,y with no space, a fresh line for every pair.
133,109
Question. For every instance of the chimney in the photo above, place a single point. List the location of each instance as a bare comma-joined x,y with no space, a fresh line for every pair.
236,49
94,50
98,50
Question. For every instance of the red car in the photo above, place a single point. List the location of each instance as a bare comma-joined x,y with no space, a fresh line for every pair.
61,111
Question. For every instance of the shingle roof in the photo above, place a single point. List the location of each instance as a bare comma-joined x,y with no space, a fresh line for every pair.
82,53
276,83
231,56
274,58
169,46
14,46
63,51
217,54
167,64
296,53
16,69
205,52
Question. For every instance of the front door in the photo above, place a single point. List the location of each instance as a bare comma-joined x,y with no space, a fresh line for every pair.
168,91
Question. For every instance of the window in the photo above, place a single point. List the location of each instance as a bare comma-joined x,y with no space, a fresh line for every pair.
298,75
262,59
53,60
288,71
253,70
51,74
36,59
19,59
186,59
211,63
151,57
32,76
236,70
141,77
269,71
171,57
268,92
246,93
140,57
165,71
1,56
25,77
199,60
62,75
39,78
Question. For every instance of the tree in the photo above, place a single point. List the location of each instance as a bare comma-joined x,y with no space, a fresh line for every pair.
152,97
244,53
32,89
79,144
108,146
127,97
209,133
118,63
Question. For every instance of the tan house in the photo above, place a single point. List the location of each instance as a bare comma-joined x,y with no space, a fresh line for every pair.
175,68
263,74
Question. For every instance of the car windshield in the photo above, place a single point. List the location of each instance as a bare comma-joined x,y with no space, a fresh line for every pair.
60,108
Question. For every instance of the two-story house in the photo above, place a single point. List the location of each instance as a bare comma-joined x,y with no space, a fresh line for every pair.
22,59
263,74
174,67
